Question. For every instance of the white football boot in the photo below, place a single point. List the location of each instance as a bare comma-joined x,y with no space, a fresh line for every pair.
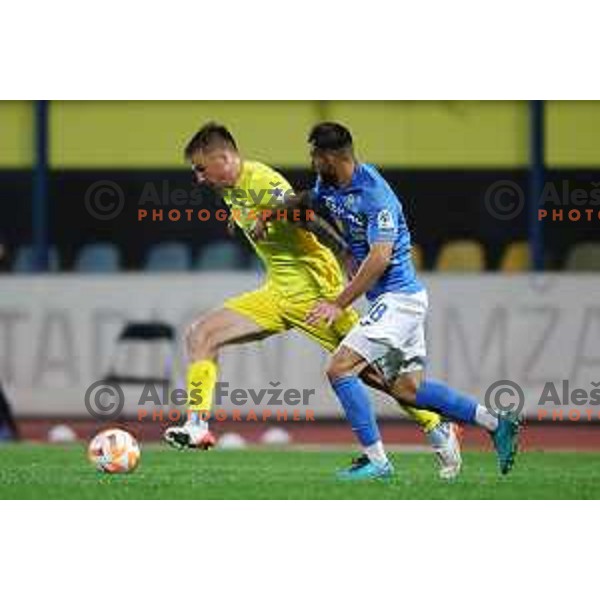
446,446
190,435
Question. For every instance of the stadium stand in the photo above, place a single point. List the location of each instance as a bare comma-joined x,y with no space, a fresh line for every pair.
255,264
168,256
98,258
219,256
458,256
25,261
516,258
461,255
418,259
584,257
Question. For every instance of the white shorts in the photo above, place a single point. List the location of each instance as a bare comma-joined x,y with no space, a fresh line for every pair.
391,336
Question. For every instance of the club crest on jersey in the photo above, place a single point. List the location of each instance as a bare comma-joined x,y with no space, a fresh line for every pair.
349,202
385,220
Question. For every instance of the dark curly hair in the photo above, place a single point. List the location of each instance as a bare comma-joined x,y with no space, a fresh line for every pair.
330,136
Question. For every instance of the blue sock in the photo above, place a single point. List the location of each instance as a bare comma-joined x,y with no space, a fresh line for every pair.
446,401
354,397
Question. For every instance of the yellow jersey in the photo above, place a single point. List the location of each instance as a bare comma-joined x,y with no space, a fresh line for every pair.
296,262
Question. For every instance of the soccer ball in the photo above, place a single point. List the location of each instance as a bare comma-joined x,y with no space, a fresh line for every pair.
114,451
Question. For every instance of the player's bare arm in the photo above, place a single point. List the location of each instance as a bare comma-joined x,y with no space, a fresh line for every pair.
370,271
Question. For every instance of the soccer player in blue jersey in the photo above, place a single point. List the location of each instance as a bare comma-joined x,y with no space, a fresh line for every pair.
390,338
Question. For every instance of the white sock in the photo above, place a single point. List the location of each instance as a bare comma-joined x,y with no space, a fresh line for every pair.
376,453
485,418
195,419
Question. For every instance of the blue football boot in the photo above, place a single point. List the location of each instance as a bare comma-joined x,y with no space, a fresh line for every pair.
363,469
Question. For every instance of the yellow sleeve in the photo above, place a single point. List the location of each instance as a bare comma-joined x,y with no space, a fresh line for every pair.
270,187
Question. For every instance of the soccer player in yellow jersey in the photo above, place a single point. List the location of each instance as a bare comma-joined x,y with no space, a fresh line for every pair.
300,272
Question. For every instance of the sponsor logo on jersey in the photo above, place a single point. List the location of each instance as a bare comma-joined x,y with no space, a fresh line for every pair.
385,220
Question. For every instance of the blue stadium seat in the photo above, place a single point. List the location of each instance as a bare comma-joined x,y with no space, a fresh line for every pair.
98,258
168,256
219,256
24,260
256,264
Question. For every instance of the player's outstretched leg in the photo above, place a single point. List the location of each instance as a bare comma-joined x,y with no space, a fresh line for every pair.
441,435
445,442
506,440
204,339
439,397
353,395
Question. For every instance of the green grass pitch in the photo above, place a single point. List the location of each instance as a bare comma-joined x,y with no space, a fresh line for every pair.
41,471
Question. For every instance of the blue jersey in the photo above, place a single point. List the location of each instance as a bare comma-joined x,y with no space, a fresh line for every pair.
369,211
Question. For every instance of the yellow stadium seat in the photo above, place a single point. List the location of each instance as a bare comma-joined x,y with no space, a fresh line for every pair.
417,256
461,255
516,258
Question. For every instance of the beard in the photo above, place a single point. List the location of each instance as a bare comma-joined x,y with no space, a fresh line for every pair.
328,177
